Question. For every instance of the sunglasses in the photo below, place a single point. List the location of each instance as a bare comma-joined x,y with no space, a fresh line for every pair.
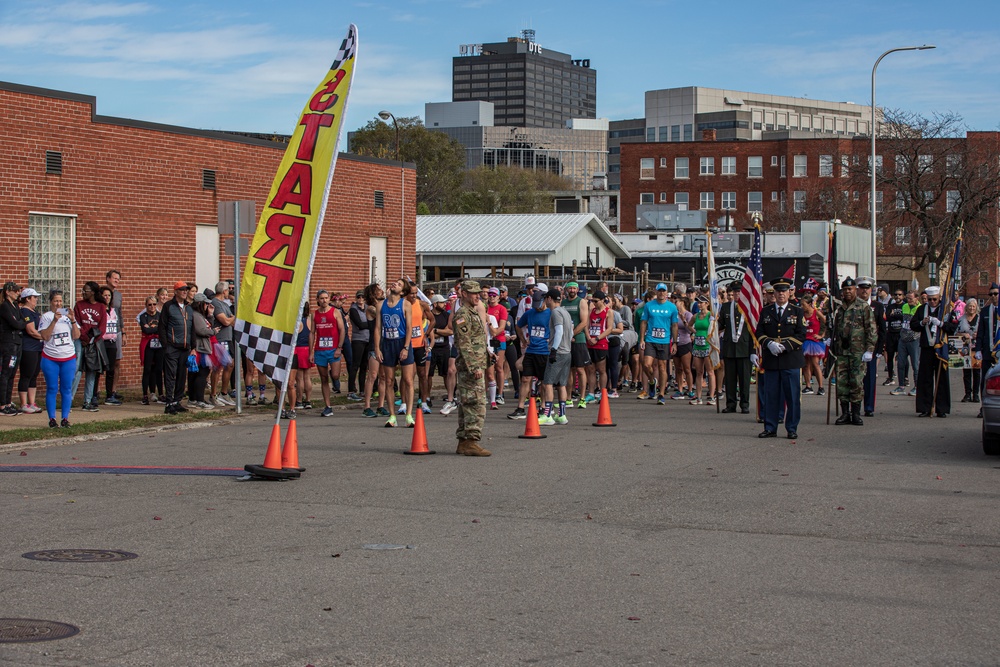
933,298
994,293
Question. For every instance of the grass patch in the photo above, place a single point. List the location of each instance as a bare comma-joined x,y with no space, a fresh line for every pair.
34,434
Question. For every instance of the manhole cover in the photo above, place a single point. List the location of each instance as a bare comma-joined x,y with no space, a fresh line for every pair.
80,555
387,547
22,630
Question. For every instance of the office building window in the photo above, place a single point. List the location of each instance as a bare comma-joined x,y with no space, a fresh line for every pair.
799,201
688,132
921,236
675,133
952,201
902,164
784,166
826,166
729,201
755,201
663,133
755,166
707,166
878,202
799,166
707,201
903,236
680,167
646,168
900,200
925,164
728,166
953,166
650,134
845,166
681,199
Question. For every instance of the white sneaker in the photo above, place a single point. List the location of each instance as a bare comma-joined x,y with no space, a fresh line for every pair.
402,409
226,400
206,406
218,402
448,407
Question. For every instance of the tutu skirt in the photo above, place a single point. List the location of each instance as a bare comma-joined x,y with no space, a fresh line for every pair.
814,348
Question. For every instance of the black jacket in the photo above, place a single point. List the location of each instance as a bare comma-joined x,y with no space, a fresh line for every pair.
880,325
790,331
12,325
176,324
949,323
740,348
989,320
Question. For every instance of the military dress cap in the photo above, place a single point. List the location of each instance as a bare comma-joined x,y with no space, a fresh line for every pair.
865,281
848,282
471,286
767,287
994,286
781,284
933,291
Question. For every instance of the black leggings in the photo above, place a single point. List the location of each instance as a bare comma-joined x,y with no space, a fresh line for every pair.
9,359
31,363
152,371
358,370
198,382
111,349
614,363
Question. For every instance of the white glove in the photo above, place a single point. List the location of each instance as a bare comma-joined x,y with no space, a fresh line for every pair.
935,322
755,360
979,356
775,348
866,357
826,342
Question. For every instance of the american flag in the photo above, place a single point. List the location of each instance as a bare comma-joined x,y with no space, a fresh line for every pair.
751,298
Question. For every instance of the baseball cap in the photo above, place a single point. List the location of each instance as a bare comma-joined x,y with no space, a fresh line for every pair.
11,286
636,302
555,294
529,281
200,298
503,288
28,292
661,287
359,294
493,291
542,286
437,298
209,292
600,296
180,284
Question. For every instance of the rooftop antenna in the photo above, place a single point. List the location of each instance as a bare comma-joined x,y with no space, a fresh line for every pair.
528,35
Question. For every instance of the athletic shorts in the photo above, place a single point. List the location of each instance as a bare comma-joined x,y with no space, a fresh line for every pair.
598,355
420,356
557,374
326,357
300,360
500,346
580,355
533,365
391,349
439,360
659,351
454,351
682,350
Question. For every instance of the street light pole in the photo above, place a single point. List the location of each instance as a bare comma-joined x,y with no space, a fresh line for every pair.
386,115
871,202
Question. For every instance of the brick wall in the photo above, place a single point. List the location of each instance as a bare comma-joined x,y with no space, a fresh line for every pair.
136,191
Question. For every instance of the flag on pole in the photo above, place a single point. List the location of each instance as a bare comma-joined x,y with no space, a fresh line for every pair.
948,297
790,273
281,256
713,283
751,298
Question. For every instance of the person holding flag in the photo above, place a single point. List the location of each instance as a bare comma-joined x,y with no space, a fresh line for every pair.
934,325
736,346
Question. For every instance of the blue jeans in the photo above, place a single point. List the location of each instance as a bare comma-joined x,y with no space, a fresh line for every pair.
905,353
59,377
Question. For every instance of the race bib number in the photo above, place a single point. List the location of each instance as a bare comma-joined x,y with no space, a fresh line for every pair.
595,330
62,339
155,344
659,332
390,334
112,328
906,324
416,332
700,341
326,342
539,332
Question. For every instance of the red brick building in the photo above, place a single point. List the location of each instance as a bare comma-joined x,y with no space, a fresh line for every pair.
791,179
83,193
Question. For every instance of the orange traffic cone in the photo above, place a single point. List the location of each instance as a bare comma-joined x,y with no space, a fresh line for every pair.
290,452
272,461
419,443
604,411
531,429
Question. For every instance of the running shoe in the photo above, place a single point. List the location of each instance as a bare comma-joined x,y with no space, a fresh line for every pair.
410,422
661,400
382,412
808,390
251,399
391,422
53,423
426,409
262,400
898,391
111,400
399,401
678,396
64,423
518,413
328,412
614,394
710,401
561,420
690,394
177,406
298,405
162,401
642,396
500,400
493,406
354,397
590,398
89,407
889,380
219,402
292,414
913,392
284,414
546,420
448,407
225,398
367,412
582,405
696,401
821,392
401,410
31,409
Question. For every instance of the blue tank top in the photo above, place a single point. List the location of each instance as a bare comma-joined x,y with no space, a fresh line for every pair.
393,321
302,338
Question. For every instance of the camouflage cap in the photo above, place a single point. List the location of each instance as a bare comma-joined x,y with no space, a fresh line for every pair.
471,286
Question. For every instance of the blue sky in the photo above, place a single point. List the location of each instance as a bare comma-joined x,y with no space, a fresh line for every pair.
251,65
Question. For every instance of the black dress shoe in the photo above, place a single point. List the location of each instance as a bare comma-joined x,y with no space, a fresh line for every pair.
768,434
744,411
792,435
942,415
924,414
759,420
728,410
869,413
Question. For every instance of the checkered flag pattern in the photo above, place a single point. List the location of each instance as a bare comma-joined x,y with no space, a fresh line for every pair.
347,48
267,349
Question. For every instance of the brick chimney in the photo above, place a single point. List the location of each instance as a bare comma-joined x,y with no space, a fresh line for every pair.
708,135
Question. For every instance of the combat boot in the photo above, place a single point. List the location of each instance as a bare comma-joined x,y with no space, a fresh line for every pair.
845,414
471,448
856,414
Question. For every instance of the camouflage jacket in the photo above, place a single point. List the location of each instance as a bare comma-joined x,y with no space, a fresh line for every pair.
470,338
853,331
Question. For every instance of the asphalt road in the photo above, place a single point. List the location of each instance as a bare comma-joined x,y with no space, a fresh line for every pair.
676,538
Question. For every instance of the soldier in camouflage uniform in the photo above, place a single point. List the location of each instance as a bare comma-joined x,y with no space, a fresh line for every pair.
470,339
854,335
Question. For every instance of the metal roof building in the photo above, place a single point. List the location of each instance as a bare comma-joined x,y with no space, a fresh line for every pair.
513,243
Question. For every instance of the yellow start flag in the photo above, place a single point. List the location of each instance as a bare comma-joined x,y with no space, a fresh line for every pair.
280,262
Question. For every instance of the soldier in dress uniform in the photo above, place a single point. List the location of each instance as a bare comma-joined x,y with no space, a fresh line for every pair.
853,338
780,332
470,338
933,388
736,348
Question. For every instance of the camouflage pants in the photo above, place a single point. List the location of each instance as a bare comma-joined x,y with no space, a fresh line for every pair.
471,406
851,378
